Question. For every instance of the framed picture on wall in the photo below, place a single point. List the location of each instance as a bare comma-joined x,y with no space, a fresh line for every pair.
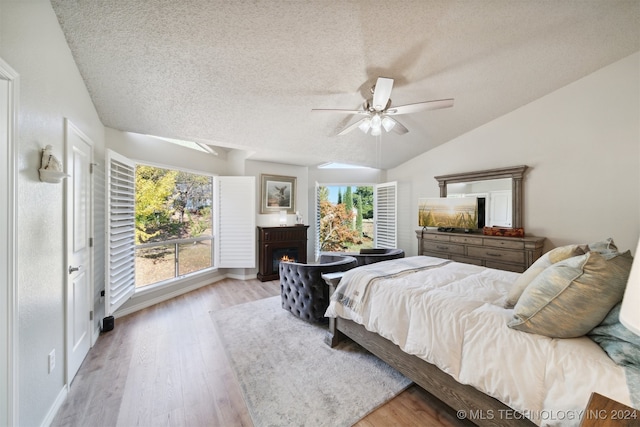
278,193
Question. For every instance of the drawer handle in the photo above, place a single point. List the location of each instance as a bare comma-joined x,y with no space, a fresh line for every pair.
443,248
494,255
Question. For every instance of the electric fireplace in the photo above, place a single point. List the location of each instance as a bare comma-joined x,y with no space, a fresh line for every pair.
277,244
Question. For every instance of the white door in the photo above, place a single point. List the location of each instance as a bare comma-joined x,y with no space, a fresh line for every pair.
78,217
8,335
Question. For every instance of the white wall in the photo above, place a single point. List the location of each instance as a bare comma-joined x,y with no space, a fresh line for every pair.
51,88
582,143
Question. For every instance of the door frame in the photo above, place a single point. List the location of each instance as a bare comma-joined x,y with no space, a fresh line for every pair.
68,128
9,296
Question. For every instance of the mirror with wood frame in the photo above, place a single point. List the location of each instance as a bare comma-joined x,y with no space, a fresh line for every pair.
502,187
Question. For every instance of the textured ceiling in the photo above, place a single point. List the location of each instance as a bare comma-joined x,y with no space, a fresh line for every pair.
246,74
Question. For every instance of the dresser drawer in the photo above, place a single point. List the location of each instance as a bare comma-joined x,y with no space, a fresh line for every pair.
446,247
498,255
438,237
507,244
502,253
467,240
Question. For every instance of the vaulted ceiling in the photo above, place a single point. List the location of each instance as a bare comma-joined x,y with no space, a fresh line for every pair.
246,74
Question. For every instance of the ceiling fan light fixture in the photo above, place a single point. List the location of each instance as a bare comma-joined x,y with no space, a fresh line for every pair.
365,125
388,123
377,110
376,122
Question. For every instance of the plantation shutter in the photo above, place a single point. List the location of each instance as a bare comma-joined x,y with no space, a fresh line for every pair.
385,215
99,236
317,222
236,237
121,238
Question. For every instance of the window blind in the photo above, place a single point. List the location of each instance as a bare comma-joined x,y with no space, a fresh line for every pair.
385,215
99,238
236,239
120,273
317,223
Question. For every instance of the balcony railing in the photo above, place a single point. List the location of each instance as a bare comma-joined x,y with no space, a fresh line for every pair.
161,261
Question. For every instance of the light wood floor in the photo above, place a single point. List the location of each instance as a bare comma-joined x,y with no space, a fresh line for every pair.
166,365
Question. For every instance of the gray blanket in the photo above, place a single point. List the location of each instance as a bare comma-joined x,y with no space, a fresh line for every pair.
623,347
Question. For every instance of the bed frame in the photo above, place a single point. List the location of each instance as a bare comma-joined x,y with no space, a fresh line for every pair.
481,409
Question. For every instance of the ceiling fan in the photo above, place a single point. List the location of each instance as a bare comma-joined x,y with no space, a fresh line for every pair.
378,110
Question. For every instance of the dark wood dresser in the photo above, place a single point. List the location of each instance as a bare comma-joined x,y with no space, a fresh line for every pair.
503,253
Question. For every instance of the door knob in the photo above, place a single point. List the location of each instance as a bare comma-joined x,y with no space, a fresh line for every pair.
72,269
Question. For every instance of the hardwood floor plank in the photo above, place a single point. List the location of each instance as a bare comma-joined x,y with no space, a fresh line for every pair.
166,366
138,396
174,418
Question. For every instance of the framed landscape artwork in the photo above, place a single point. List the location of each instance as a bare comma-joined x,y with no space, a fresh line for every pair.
278,194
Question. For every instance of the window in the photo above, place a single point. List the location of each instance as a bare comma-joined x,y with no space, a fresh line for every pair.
173,224
176,226
350,218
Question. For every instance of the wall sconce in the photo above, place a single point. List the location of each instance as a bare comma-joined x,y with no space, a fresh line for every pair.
50,167
283,218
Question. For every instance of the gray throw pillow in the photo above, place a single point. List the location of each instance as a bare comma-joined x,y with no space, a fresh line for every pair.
606,248
571,297
622,345
553,256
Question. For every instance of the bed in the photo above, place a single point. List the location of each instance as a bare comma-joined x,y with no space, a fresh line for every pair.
444,325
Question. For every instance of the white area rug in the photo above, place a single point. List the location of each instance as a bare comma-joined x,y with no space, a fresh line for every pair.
290,377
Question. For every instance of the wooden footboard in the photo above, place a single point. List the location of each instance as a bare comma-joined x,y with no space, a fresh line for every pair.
478,407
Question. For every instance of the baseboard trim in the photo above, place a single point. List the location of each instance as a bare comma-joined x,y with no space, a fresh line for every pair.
96,335
62,396
240,276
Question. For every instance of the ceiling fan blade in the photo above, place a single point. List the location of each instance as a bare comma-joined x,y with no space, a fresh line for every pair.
420,106
352,126
329,110
381,93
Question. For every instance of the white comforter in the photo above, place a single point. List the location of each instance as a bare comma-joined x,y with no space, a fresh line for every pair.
451,315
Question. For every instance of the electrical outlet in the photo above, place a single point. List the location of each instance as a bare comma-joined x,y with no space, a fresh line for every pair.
52,360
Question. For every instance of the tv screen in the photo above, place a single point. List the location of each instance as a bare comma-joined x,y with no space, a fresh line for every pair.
482,211
455,212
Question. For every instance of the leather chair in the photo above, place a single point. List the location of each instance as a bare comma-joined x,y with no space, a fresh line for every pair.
370,256
303,291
